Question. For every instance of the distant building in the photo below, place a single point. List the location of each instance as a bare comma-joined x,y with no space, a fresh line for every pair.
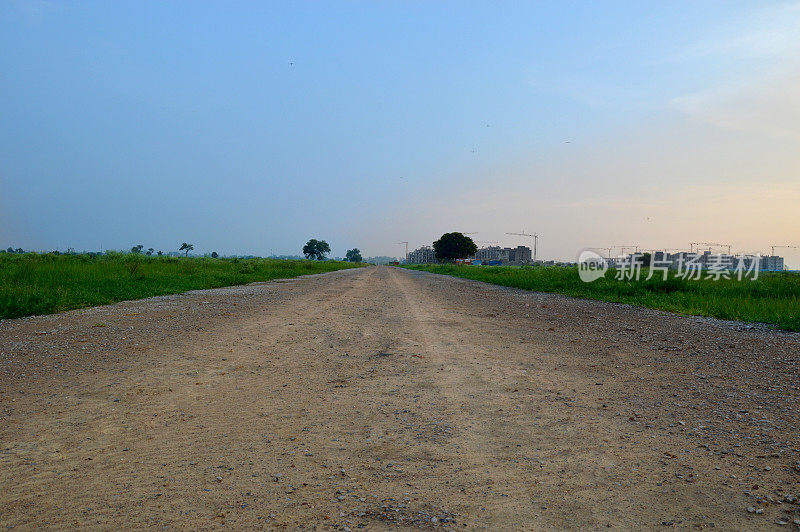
771,263
520,255
517,255
423,255
705,261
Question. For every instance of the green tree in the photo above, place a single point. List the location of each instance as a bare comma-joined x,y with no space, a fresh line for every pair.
316,249
186,247
214,255
353,255
150,252
453,246
137,249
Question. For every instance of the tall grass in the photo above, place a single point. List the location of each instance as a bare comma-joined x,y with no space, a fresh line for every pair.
45,283
773,298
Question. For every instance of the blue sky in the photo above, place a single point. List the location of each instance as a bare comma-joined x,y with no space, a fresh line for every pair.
249,127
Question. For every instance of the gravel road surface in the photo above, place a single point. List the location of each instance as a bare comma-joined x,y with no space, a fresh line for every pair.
380,398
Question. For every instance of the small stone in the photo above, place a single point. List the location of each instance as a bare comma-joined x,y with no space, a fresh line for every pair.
768,468
797,522
277,478
760,511
219,479
781,522
750,510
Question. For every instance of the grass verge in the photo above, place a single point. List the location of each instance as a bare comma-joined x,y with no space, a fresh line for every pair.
773,298
45,283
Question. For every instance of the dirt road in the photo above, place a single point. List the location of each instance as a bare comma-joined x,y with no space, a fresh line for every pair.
381,397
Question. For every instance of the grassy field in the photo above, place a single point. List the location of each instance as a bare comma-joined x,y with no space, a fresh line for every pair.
43,284
773,298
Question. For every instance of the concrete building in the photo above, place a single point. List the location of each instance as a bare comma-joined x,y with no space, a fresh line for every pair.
423,255
706,260
772,263
492,253
517,255
520,255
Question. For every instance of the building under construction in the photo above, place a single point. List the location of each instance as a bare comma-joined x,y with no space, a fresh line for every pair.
496,254
705,261
517,255
423,255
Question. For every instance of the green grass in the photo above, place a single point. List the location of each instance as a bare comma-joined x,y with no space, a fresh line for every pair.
43,284
773,298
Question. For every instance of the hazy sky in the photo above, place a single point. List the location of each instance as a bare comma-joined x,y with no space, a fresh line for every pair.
248,127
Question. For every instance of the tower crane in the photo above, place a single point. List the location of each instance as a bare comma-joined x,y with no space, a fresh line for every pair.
535,237
692,244
790,247
406,243
608,255
622,249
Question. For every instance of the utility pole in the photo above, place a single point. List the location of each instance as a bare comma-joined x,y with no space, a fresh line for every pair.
535,237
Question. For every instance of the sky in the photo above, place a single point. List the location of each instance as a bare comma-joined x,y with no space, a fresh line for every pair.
250,127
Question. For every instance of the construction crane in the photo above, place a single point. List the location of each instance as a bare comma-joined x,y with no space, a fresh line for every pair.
406,243
790,247
622,249
692,244
535,237
608,249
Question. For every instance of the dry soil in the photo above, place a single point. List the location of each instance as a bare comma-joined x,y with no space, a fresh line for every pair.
381,398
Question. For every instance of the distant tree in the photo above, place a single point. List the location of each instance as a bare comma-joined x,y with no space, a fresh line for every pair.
647,260
20,250
186,247
353,255
160,253
137,249
453,246
10,250
214,255
149,252
316,249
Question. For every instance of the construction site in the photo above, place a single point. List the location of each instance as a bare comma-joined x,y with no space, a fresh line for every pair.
700,255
